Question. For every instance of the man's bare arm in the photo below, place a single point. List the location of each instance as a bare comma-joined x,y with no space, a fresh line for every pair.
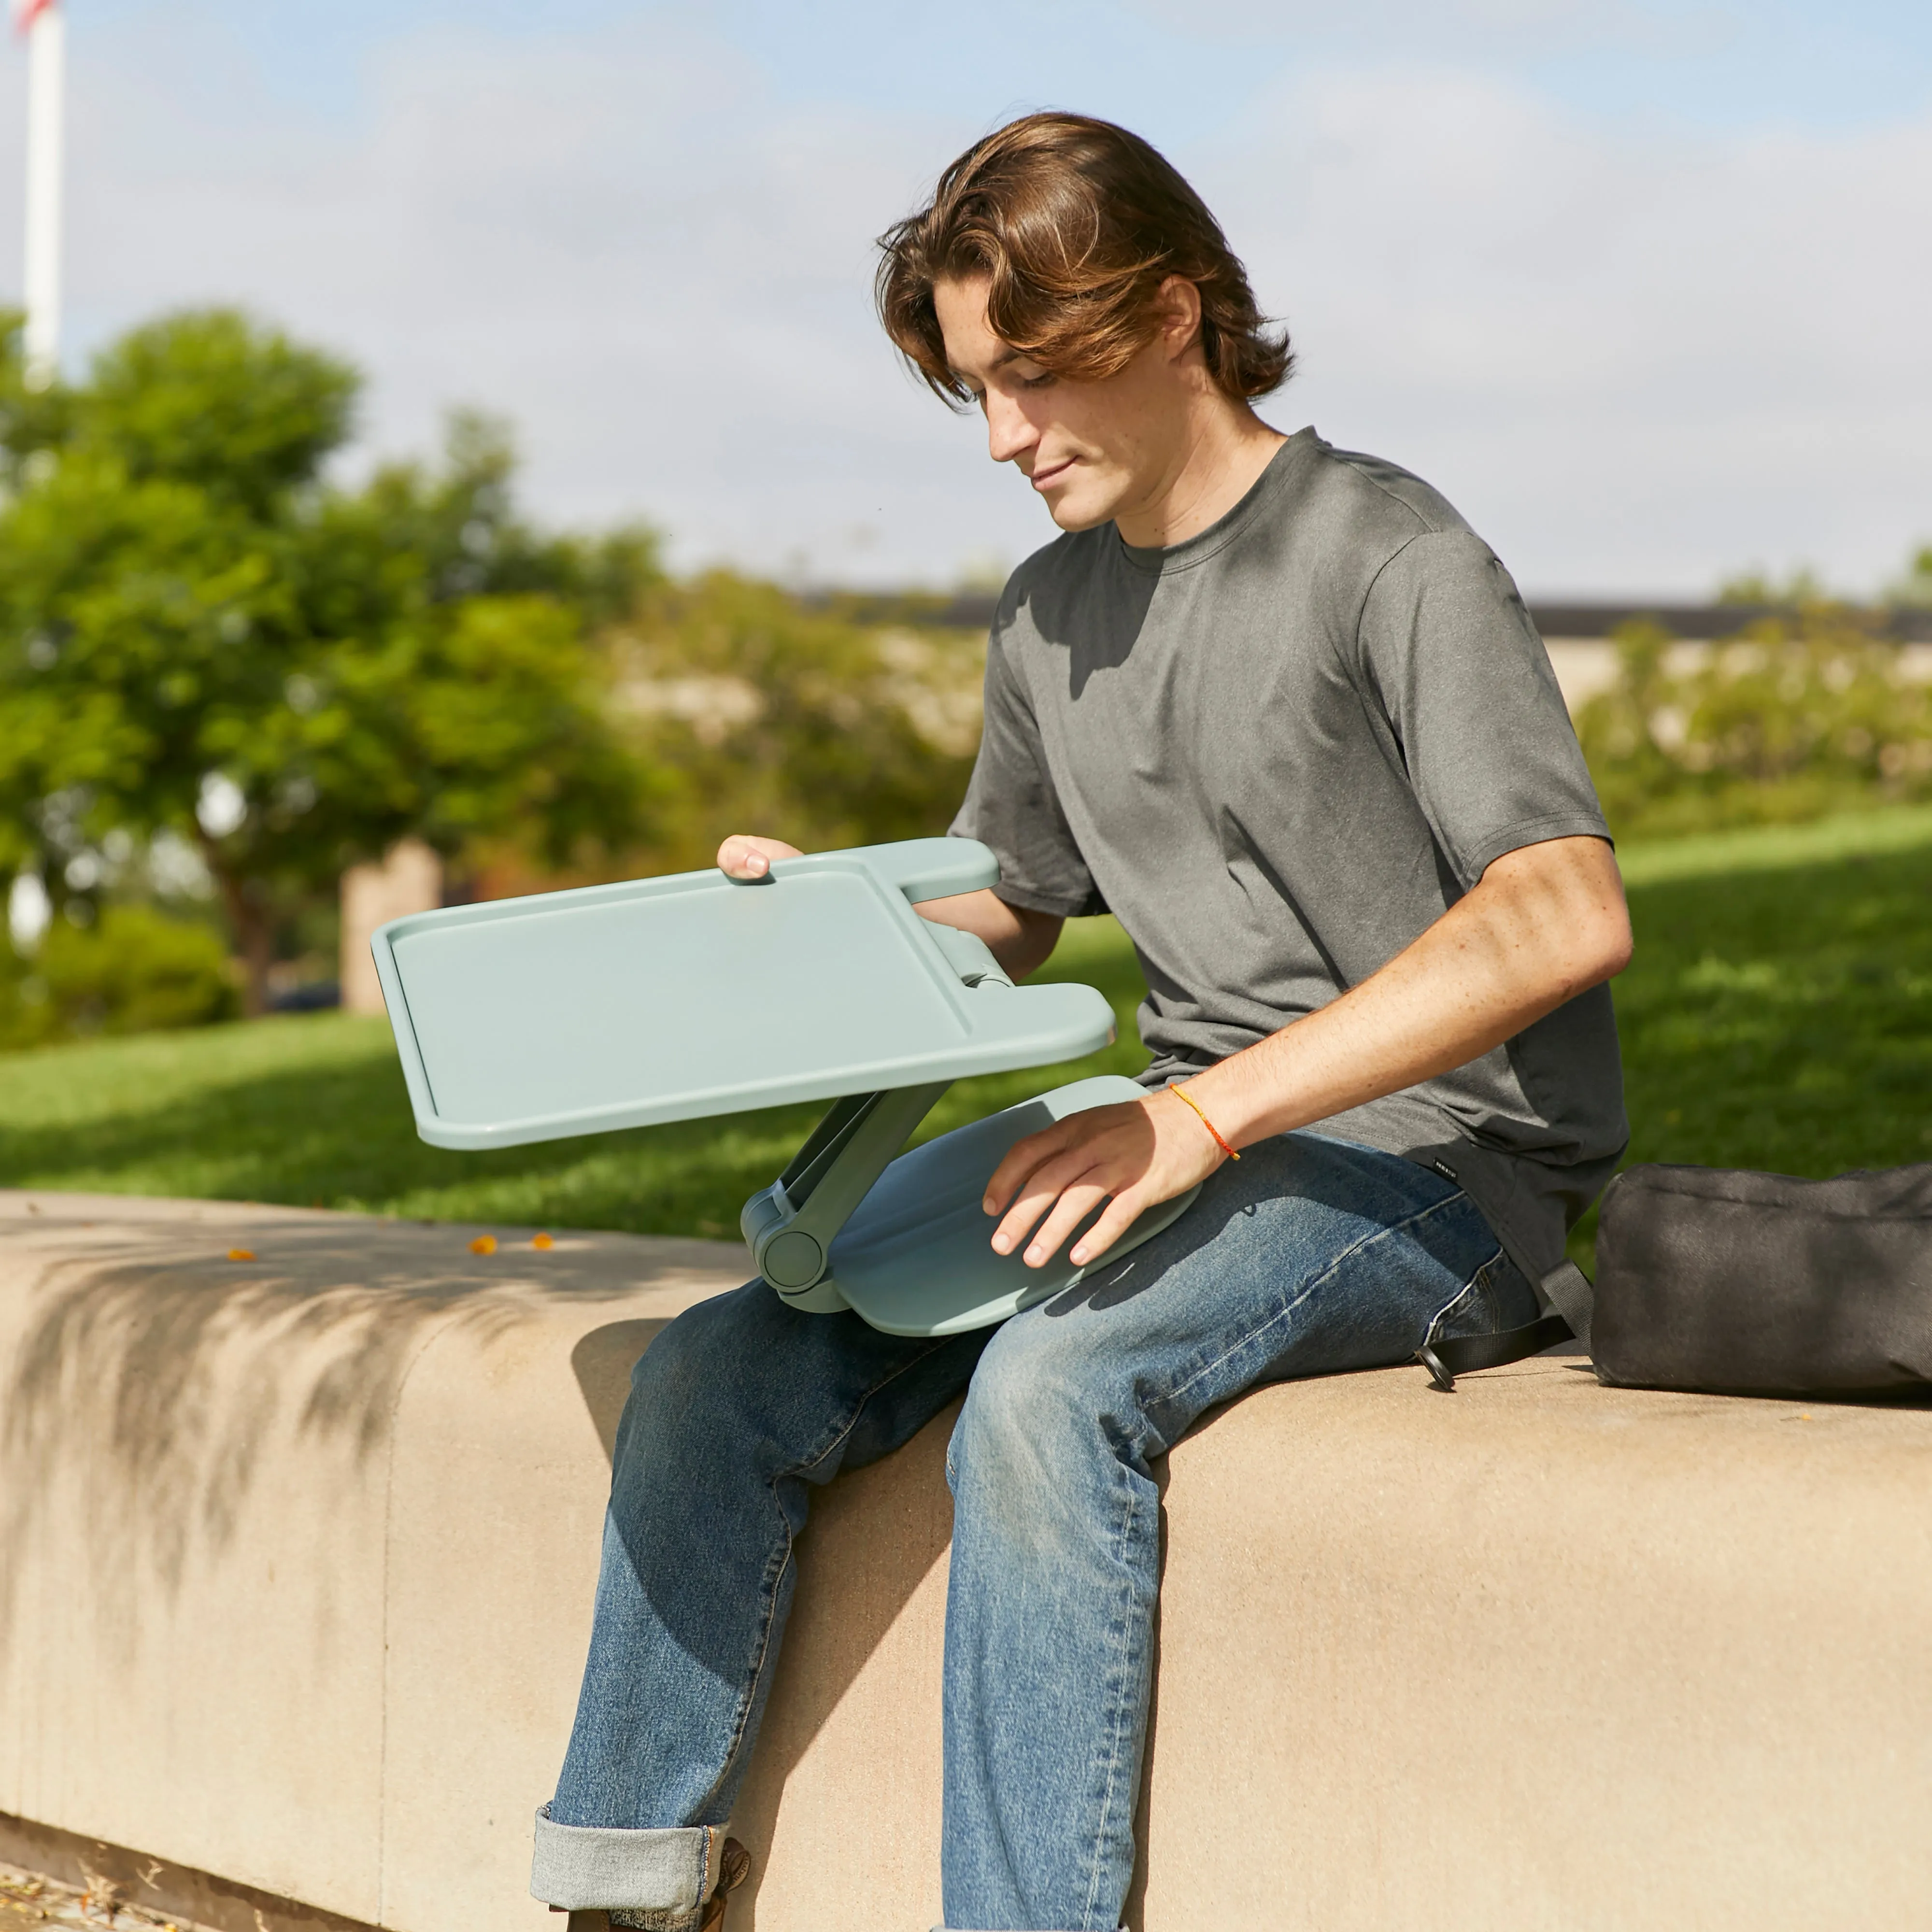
1019,940
1542,924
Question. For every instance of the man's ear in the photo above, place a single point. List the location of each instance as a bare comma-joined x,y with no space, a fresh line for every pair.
1177,304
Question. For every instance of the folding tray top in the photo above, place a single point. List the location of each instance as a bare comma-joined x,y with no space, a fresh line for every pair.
668,999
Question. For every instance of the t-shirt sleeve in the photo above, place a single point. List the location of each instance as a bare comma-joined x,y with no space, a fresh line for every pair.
1465,685
1012,805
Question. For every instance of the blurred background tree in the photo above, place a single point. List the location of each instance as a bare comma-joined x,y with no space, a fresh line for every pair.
1805,712
761,713
1913,589
203,638
224,669
133,969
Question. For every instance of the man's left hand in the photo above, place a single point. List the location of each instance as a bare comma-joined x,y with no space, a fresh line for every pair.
1140,1153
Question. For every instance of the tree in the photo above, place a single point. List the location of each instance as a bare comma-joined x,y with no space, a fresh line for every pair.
1915,587
766,715
199,634
1799,714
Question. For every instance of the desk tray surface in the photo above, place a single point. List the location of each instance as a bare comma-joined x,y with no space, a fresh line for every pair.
672,998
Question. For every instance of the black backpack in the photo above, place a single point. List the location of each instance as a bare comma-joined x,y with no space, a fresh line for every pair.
1757,1284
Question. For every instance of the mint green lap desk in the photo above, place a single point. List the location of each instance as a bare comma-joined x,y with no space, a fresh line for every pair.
672,999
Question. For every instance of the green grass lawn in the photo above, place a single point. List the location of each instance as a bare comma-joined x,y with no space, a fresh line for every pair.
1779,1015
311,1110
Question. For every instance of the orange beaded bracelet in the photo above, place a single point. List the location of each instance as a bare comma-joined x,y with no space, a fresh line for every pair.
1181,1094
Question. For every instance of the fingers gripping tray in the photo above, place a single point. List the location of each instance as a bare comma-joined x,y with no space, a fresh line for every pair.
670,999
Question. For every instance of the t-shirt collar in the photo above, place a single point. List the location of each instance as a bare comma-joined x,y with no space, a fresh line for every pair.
1159,560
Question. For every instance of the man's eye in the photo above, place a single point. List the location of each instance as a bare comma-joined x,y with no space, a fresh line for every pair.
1043,382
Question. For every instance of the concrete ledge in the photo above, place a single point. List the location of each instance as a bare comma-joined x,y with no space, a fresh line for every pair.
296,1559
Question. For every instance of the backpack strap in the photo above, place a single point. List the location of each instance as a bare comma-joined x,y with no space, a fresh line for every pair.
1566,1288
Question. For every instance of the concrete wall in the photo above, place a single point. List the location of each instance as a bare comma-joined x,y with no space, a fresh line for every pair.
296,1556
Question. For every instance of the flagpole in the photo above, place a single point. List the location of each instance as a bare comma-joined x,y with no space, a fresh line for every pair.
46,61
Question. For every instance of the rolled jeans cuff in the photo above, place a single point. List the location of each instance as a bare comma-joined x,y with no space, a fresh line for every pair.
656,1879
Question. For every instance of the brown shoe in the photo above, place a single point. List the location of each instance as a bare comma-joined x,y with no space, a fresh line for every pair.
734,1867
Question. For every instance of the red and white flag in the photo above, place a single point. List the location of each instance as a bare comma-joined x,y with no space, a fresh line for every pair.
26,12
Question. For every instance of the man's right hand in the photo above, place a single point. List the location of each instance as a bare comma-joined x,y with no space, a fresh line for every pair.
742,857
1020,939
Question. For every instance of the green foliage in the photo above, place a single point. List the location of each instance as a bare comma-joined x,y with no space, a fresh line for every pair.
199,635
31,420
1914,589
209,399
1799,587
1802,715
130,971
458,525
798,723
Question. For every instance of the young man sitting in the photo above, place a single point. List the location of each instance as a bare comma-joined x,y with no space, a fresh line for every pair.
1279,709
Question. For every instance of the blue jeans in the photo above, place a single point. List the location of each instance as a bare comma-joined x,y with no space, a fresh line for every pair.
1307,1256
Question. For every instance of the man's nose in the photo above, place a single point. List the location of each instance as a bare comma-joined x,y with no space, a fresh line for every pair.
1008,435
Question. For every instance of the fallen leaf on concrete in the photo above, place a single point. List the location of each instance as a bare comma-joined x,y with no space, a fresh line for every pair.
541,1241
484,1244
241,1254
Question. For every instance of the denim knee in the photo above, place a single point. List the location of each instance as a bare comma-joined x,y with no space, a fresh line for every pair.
707,1381
683,1359
745,1382
1034,1420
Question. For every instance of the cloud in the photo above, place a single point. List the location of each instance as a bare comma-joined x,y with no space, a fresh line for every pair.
1638,357
620,239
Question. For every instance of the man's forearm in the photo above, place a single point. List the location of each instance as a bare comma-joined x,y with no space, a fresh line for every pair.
1543,925
1019,940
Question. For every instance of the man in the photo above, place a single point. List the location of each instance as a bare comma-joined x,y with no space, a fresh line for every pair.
1278,708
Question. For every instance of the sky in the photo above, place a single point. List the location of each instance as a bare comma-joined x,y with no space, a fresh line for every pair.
1645,289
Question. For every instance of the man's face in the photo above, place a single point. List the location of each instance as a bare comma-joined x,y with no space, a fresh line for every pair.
1092,450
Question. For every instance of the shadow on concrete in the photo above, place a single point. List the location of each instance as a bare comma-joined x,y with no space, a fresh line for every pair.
1133,1911
162,1370
874,1536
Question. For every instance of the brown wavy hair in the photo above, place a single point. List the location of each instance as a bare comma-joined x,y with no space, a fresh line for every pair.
1075,223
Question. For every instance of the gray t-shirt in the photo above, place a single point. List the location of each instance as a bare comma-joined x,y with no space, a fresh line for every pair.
1276,753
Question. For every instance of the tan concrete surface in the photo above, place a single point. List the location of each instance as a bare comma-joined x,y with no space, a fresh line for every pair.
216,1522
1542,1654
298,1557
